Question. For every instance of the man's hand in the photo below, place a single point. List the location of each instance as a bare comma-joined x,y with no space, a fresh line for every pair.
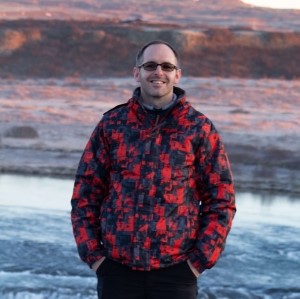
97,264
194,270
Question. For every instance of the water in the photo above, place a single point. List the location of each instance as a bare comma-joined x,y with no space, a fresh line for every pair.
38,258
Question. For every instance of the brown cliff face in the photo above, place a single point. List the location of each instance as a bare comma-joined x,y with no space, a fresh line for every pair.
61,48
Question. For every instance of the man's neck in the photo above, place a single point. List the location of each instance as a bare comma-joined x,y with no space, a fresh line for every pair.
163,106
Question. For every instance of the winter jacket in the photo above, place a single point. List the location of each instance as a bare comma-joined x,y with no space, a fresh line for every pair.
150,194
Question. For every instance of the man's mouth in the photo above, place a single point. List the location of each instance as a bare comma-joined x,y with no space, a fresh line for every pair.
157,82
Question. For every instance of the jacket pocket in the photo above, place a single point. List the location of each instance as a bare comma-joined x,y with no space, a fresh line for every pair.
100,269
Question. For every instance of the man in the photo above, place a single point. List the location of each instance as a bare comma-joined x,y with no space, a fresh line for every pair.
153,199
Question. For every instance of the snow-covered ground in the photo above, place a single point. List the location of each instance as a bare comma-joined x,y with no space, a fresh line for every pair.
44,124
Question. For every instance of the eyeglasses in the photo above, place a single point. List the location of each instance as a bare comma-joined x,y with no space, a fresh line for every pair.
152,66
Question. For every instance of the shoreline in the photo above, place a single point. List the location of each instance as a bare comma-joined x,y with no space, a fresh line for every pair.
266,192
243,180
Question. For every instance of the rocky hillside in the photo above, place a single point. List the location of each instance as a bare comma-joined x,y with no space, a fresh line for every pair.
224,38
60,48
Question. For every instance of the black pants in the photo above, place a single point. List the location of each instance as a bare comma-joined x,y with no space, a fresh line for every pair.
116,281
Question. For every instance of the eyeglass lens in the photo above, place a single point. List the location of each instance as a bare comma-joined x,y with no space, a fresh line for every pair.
165,66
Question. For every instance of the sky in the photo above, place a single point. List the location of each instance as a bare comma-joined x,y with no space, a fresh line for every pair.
281,4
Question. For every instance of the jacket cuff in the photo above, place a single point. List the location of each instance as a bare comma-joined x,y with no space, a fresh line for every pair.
93,258
195,261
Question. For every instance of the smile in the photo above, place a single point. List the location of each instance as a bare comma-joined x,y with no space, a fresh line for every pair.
158,82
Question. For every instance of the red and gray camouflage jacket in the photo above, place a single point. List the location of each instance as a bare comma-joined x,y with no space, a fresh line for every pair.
153,194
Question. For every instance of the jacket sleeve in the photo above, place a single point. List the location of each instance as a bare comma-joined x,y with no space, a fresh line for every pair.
90,188
215,185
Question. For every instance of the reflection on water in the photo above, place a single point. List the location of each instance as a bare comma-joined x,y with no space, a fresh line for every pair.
53,193
268,209
35,192
38,258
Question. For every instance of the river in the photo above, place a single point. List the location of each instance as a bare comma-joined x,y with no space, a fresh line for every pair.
38,257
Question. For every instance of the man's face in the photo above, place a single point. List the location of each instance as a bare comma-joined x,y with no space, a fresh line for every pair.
157,86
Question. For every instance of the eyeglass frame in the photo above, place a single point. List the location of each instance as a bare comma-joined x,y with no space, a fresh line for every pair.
159,64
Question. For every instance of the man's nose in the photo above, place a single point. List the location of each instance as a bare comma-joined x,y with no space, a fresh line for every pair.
158,70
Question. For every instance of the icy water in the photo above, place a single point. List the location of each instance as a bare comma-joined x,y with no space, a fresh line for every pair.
38,258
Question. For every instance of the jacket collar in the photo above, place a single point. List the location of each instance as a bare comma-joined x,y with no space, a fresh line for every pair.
178,95
141,112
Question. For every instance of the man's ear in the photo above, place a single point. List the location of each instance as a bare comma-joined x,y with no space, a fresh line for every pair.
136,74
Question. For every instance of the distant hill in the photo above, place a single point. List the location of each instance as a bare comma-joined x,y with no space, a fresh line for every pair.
49,38
189,13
